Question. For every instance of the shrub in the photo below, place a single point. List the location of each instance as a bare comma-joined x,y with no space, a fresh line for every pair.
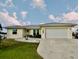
7,43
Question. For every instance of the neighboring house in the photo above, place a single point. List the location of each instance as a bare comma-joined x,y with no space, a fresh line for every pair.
48,30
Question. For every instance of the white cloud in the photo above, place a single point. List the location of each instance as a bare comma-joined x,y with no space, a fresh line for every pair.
39,4
14,15
54,18
8,20
70,17
5,11
28,23
25,23
7,3
51,17
24,14
69,8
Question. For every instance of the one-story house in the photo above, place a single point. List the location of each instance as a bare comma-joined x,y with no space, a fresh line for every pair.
43,31
18,31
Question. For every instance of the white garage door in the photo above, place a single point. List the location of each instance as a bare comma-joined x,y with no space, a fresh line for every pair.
56,33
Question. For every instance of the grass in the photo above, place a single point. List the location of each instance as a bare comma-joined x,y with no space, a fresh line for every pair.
20,50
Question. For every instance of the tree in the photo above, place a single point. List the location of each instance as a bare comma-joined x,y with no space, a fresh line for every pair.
75,34
0,27
0,32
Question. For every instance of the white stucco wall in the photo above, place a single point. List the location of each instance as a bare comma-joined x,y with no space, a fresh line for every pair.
56,32
31,32
18,35
70,32
40,31
43,36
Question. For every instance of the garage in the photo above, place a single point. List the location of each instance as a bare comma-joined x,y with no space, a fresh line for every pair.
56,33
57,30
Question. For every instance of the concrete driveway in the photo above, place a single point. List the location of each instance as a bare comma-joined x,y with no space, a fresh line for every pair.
58,48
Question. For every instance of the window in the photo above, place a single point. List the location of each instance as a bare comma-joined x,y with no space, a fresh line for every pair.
14,31
34,32
27,30
37,31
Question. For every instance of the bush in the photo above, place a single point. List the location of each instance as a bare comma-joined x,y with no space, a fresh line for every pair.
7,43
75,35
35,36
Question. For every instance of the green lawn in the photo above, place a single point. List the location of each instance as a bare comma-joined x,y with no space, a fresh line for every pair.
20,51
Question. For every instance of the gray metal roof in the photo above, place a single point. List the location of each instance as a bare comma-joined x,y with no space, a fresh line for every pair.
25,27
58,24
42,25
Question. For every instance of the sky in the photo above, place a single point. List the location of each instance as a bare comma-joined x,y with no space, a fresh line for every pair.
28,12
